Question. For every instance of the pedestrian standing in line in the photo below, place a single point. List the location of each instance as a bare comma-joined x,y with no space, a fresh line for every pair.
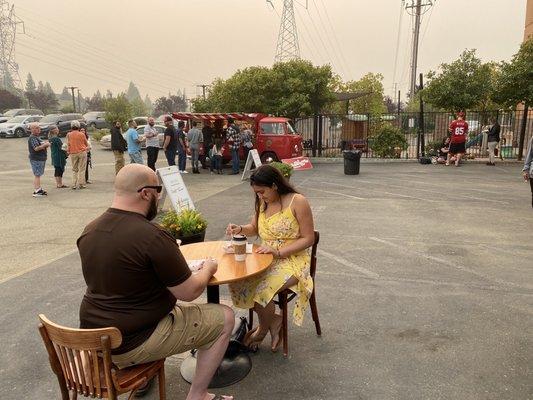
134,143
528,168
89,156
233,135
171,139
247,144
37,155
195,138
118,145
459,131
152,143
493,139
77,147
207,133
182,148
59,156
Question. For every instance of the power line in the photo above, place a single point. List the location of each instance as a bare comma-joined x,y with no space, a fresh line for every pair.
302,22
320,37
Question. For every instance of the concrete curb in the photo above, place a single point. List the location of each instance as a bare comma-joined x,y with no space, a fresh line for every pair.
338,160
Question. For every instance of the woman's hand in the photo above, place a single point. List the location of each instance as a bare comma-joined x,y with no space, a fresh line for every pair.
233,229
267,250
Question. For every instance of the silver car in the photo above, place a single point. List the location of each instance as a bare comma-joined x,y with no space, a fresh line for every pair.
106,140
18,126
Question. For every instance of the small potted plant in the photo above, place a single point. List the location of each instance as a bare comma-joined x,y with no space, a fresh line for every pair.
188,225
285,169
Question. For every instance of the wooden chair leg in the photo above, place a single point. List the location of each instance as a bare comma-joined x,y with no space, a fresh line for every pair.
314,313
284,326
250,319
161,380
72,394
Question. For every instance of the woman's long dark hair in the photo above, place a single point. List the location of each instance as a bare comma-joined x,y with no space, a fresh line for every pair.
268,176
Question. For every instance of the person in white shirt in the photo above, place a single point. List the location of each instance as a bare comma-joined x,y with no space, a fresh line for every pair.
152,142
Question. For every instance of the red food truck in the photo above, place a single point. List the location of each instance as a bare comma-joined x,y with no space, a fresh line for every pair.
273,137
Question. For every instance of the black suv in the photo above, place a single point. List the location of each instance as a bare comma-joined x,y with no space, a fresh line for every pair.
62,121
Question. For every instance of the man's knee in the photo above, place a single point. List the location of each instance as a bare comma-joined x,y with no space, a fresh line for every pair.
229,318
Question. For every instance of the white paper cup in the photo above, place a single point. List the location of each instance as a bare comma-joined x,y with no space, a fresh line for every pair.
239,246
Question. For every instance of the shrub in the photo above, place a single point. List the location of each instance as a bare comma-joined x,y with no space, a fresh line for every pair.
285,169
388,142
99,134
184,223
433,147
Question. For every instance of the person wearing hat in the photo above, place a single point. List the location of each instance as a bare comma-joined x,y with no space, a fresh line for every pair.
170,145
459,131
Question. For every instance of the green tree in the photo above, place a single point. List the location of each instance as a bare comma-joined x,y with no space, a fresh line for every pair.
48,88
118,109
466,83
138,108
292,88
370,91
172,103
9,100
133,93
388,142
30,84
514,84
148,104
43,100
65,94
95,103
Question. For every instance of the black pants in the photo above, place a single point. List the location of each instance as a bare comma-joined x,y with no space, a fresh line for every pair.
531,184
152,153
58,171
87,166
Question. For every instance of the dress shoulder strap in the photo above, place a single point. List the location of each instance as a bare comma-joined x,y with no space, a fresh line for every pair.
292,199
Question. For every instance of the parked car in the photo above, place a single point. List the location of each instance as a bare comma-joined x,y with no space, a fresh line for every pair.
15,112
62,121
106,140
96,120
18,126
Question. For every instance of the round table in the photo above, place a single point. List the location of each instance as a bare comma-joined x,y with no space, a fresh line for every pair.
231,370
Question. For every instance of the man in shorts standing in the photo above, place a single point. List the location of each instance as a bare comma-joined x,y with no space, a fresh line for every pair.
37,154
135,272
458,131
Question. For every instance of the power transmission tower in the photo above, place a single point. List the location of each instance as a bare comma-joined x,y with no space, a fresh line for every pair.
416,9
288,47
9,70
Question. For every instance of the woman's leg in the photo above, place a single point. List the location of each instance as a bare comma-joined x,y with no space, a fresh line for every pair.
531,184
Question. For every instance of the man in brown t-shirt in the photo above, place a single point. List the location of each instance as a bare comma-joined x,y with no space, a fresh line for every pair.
135,272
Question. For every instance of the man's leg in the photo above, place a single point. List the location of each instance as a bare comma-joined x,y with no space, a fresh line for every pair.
150,155
208,360
81,168
75,159
36,183
235,160
458,159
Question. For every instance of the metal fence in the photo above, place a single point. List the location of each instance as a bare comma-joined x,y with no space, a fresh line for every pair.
329,135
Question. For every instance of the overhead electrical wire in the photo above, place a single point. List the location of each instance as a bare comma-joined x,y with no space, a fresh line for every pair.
329,57
302,23
398,38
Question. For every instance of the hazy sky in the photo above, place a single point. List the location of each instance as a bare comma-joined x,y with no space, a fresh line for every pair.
165,45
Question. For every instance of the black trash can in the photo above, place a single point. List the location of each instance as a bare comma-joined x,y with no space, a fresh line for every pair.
352,160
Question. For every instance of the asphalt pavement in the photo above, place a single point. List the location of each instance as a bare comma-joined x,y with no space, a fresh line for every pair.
424,282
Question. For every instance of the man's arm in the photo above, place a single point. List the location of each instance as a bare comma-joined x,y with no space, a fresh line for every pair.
195,285
166,142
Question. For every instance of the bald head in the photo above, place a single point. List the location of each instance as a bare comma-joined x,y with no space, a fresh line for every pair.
133,177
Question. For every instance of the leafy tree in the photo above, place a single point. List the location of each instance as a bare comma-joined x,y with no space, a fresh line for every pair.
95,103
65,94
172,103
138,108
515,82
30,84
133,93
40,86
9,100
466,83
292,88
118,109
370,87
42,99
108,94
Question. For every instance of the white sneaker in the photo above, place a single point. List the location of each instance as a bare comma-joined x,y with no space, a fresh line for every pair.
184,172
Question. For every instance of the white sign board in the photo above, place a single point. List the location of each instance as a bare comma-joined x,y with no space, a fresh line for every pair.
175,188
253,157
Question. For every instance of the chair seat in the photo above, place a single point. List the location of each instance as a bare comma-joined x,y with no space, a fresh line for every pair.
128,376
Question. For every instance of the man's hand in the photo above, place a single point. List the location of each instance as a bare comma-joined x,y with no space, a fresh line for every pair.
525,174
210,265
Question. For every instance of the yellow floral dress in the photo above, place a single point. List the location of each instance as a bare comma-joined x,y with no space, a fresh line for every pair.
277,231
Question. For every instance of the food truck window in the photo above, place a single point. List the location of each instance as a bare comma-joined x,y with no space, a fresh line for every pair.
273,128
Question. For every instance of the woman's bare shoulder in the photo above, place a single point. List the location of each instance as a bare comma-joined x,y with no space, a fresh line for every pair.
299,201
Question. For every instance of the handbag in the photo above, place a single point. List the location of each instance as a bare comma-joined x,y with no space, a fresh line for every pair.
236,345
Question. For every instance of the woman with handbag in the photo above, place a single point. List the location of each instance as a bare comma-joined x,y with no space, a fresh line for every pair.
59,156
493,139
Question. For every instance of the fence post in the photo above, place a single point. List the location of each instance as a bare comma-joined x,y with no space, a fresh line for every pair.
523,132
320,133
421,126
315,134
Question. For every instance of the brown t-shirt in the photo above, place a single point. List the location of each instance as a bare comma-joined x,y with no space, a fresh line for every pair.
128,263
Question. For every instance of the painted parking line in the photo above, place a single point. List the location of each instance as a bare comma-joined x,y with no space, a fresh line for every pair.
336,193
349,264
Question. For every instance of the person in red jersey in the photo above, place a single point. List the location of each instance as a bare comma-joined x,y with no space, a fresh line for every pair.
459,131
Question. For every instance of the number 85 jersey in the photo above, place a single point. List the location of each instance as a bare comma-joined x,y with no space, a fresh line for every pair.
458,130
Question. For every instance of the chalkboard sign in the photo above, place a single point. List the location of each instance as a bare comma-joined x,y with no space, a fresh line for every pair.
174,188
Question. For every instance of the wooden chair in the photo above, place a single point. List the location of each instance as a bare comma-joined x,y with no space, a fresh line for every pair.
285,296
81,360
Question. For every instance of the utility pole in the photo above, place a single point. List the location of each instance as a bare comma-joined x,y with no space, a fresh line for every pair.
79,101
9,70
416,9
204,87
73,98
288,46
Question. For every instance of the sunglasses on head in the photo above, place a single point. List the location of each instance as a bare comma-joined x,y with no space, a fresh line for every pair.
157,187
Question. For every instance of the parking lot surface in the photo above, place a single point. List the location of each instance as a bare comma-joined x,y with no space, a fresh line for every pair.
424,282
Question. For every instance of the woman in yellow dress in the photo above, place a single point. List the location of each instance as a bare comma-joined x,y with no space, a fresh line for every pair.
284,222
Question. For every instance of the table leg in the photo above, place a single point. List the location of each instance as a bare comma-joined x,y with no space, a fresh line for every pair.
213,294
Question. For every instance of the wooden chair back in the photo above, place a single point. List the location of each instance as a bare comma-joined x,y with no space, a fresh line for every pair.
81,356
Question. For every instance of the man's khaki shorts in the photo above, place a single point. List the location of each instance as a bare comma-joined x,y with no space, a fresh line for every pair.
186,327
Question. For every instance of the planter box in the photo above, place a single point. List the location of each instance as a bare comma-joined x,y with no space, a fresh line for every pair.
199,237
